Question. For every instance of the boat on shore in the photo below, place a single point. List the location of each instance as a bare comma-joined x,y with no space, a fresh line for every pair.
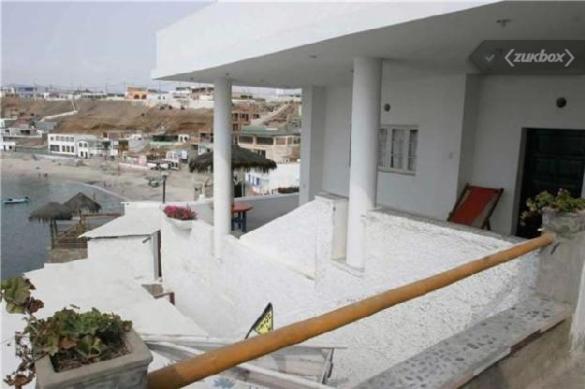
20,200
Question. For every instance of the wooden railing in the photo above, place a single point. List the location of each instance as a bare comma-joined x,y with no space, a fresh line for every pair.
215,361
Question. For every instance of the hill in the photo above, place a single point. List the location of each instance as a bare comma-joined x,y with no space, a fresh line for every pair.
99,115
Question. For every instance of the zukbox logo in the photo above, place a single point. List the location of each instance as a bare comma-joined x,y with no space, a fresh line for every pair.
530,57
515,57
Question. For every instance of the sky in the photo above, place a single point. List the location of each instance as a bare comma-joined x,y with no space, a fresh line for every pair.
89,44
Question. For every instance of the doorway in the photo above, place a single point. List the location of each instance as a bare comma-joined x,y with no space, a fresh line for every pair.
553,159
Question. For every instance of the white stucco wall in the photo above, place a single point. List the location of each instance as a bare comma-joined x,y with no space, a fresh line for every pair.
508,104
434,104
135,257
225,296
470,130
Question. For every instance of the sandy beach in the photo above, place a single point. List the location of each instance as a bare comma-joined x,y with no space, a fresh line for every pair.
128,184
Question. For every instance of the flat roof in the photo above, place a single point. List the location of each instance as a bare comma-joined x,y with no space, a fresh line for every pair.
132,224
301,44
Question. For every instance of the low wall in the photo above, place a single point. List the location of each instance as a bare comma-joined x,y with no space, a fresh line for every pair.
226,296
268,208
133,255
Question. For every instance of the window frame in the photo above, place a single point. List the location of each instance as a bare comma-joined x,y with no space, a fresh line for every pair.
406,148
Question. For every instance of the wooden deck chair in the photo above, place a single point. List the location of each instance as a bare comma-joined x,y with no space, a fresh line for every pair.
475,205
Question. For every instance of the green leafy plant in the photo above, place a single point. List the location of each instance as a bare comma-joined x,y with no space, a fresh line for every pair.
70,338
563,202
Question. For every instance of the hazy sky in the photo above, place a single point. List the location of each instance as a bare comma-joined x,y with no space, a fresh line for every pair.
90,44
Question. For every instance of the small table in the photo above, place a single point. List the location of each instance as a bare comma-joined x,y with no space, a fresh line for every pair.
240,215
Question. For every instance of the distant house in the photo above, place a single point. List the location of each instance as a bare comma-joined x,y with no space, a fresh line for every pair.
19,128
202,93
6,123
45,127
69,144
29,92
7,145
286,175
280,145
243,117
136,93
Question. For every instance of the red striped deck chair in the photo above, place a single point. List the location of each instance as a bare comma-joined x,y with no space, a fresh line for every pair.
475,205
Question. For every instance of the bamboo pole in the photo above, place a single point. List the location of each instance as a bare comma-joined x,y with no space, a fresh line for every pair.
215,361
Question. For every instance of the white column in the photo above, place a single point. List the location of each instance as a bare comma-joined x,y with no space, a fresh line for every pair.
222,162
365,122
312,142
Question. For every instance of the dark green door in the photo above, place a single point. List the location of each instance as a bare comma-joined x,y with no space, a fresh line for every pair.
554,159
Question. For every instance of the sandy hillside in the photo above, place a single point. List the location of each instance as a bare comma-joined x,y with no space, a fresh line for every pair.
101,115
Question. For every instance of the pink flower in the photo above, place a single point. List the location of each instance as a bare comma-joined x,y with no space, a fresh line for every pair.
179,213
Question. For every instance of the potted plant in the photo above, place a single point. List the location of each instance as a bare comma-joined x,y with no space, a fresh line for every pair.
71,349
180,217
561,213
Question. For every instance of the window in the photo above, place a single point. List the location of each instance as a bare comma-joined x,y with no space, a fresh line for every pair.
281,140
264,140
245,139
397,149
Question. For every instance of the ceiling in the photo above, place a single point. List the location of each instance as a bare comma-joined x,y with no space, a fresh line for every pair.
440,43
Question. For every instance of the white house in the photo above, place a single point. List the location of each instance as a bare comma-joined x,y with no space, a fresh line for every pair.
72,144
6,145
286,175
402,74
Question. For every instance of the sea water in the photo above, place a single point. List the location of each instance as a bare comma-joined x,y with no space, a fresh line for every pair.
24,244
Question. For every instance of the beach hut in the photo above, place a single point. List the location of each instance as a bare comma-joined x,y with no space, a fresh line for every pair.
243,160
81,203
50,213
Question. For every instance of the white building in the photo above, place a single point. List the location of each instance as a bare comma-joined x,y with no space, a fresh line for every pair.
395,115
69,144
6,145
285,176
453,116
6,123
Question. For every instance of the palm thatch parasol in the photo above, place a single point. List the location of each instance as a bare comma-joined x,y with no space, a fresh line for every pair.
242,159
51,212
80,203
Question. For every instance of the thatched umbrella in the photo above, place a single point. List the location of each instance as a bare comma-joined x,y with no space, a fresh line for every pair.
80,203
243,160
51,212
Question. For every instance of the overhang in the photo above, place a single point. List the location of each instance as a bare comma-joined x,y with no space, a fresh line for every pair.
291,45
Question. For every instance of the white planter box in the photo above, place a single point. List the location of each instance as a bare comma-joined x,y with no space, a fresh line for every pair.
181,224
127,371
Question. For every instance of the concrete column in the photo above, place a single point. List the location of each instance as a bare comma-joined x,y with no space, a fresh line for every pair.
312,142
561,273
222,162
363,173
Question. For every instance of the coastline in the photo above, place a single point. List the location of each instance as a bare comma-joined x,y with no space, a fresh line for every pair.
127,185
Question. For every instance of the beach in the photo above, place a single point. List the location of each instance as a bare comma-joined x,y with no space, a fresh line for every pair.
126,183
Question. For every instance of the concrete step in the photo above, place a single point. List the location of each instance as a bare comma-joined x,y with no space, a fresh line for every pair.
456,360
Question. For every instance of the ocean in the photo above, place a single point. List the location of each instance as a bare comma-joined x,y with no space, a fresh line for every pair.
23,243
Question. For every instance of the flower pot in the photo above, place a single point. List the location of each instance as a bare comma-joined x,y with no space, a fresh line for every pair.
563,223
126,371
181,224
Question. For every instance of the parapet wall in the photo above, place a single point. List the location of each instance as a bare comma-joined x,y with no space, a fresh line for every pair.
225,296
